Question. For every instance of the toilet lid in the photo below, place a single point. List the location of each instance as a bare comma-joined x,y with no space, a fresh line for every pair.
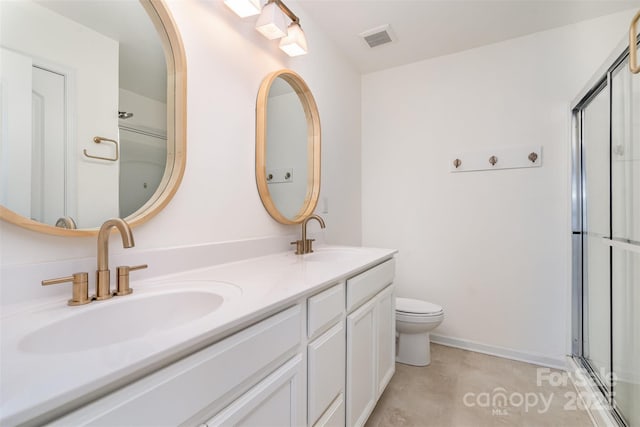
416,306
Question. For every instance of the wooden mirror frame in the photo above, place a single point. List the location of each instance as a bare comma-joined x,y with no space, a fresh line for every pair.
176,128
313,146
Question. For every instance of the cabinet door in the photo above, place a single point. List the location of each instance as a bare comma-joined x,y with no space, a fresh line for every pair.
334,415
386,318
361,363
326,372
277,401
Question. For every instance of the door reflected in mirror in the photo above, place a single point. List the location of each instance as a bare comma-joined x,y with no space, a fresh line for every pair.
73,71
287,147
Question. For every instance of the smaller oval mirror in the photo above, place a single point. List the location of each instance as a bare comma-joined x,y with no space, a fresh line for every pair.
287,147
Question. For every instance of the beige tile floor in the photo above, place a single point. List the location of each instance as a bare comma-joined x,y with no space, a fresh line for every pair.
462,388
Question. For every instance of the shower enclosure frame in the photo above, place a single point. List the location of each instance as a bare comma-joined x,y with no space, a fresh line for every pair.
602,80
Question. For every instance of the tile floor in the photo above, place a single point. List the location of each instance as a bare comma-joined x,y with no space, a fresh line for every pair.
462,388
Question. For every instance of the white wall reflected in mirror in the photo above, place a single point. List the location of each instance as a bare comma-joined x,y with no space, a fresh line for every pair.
287,148
68,67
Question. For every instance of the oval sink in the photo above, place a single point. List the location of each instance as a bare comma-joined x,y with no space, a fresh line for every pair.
121,319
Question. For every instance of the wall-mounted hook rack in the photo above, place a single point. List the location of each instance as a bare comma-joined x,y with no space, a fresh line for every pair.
279,176
497,158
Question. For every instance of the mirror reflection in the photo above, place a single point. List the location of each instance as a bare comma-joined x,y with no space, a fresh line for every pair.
84,110
287,150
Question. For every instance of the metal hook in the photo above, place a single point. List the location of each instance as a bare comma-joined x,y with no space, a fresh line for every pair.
457,163
493,160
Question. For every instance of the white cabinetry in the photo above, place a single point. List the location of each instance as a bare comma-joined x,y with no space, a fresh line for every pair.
361,364
326,358
276,401
386,334
370,340
326,375
198,386
262,375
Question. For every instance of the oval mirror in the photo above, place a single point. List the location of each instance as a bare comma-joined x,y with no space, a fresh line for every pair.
287,147
93,113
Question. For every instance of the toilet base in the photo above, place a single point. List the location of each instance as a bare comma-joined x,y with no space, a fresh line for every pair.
414,349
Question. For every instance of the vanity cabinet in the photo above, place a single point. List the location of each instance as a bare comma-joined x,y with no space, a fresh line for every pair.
322,362
370,340
255,374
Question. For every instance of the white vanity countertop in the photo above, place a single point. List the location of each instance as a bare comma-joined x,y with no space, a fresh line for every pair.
36,383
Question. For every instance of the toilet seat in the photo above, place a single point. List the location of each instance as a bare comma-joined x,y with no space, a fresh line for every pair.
409,307
434,319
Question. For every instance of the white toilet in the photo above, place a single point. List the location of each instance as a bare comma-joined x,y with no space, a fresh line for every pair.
414,320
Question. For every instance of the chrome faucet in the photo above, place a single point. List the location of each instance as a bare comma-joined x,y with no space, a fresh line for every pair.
305,246
103,274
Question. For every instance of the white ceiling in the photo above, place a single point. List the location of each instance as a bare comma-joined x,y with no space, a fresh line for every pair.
429,28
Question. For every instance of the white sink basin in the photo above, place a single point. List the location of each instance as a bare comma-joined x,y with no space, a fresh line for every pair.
330,254
119,319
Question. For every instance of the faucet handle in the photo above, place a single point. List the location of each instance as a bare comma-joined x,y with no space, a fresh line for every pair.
123,278
299,246
80,289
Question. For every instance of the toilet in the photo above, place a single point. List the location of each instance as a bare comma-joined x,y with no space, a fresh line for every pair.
415,319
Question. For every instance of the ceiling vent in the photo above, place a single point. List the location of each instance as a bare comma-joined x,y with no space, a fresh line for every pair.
378,36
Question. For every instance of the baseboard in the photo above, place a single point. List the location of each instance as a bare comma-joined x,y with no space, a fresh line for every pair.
507,353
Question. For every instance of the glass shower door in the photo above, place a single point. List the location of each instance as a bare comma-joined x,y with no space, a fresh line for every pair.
596,228
625,242
606,220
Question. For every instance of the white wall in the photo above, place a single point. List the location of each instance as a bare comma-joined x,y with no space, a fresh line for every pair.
218,200
493,247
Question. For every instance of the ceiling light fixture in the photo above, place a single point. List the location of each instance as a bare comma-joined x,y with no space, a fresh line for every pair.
244,8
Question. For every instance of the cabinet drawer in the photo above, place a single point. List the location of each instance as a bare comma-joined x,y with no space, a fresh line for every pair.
177,392
365,285
324,309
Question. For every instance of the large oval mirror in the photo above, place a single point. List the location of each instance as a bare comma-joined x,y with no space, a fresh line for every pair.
287,147
93,107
